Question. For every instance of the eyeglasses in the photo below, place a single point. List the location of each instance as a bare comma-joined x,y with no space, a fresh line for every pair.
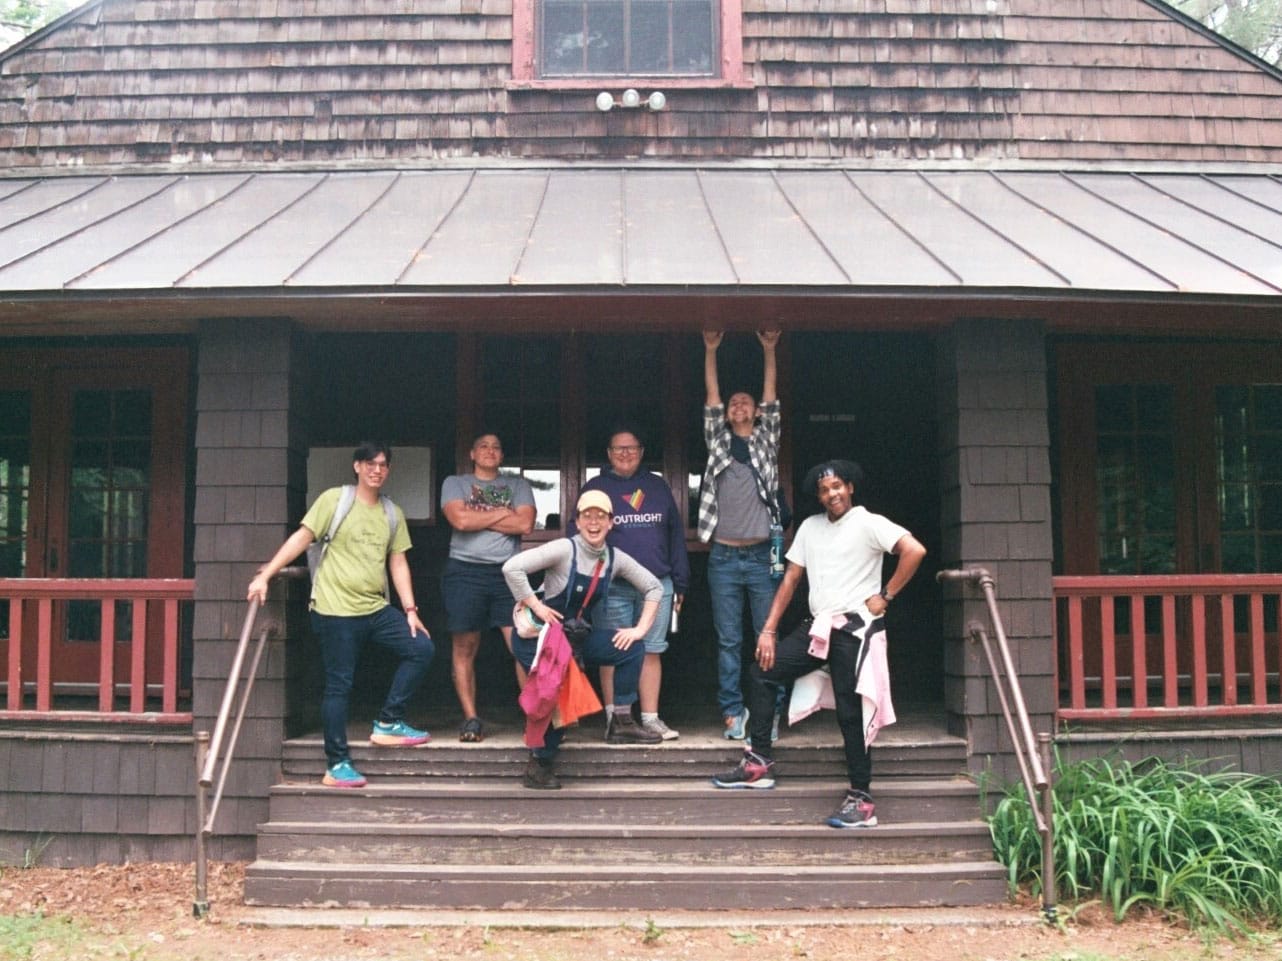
627,450
375,464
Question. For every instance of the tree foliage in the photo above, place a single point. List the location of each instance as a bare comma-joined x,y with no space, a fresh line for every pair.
1255,25
20,17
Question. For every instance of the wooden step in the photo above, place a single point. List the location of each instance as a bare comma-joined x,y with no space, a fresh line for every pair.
644,845
590,886
615,801
304,760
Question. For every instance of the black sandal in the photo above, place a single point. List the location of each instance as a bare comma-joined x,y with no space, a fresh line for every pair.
471,731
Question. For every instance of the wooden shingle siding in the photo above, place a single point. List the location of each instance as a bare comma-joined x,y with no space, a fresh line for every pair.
222,82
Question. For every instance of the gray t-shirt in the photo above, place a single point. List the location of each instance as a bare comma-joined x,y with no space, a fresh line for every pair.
741,513
506,490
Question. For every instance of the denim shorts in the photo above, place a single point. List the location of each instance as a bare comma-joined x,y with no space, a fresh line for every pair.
476,596
623,609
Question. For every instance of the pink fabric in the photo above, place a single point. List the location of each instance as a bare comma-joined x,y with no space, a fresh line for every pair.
813,691
821,629
874,687
543,686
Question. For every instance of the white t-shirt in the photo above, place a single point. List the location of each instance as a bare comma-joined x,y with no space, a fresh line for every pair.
843,558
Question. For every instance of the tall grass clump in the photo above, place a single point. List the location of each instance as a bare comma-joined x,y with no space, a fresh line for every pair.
1203,846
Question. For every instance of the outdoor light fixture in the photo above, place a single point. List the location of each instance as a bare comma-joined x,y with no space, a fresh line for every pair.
605,100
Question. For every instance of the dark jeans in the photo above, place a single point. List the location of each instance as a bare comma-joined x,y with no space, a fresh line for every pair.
598,651
341,639
792,660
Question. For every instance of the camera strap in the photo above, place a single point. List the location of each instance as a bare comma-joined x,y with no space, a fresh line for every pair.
596,577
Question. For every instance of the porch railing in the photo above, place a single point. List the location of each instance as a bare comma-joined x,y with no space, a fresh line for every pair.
1154,646
30,666
1032,752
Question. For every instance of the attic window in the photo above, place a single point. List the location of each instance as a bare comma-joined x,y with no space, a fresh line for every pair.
690,41
626,37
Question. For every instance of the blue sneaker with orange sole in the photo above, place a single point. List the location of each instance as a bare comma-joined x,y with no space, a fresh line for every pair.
397,734
343,774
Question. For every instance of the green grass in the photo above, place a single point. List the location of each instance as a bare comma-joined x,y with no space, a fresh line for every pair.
21,934
1206,847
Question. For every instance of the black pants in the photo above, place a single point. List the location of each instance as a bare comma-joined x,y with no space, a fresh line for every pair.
792,660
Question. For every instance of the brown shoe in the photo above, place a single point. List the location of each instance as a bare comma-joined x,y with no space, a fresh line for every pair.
624,730
539,775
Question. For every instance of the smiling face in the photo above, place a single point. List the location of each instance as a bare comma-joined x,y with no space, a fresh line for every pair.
625,453
741,411
487,455
594,524
836,496
371,473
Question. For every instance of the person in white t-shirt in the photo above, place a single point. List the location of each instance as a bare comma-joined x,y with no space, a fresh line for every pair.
840,551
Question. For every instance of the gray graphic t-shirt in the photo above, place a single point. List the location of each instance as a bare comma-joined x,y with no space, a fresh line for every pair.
506,490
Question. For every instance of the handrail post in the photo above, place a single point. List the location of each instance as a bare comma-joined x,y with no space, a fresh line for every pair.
200,906
1050,894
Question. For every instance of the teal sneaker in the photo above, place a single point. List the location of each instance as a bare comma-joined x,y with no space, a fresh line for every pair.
397,734
343,774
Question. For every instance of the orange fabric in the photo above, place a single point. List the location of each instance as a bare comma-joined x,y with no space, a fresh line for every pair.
576,698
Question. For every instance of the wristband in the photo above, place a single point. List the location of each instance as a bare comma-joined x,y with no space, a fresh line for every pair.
764,631
411,610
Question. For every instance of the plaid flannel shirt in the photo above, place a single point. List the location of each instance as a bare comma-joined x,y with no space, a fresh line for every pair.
763,452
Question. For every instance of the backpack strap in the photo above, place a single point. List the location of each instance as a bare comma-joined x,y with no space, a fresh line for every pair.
316,552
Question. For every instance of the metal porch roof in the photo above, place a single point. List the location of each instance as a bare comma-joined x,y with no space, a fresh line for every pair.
600,228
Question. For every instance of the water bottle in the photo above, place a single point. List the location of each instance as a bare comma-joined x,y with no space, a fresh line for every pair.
776,552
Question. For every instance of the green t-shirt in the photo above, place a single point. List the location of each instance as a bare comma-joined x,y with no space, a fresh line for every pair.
352,579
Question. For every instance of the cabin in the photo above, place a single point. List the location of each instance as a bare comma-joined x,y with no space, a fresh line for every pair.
1026,256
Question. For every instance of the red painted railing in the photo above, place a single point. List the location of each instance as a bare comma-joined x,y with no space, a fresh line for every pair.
1209,645
155,621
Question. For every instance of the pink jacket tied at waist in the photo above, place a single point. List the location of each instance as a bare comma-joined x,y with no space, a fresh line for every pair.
543,686
814,690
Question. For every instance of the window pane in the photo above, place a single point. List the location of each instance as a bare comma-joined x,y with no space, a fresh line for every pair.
1135,479
563,38
692,37
648,39
607,52
627,37
1248,423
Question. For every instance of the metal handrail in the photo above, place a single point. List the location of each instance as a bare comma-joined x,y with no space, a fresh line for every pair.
1033,754
212,764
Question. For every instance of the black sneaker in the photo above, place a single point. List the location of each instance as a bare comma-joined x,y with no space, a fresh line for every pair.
856,811
624,729
754,771
539,775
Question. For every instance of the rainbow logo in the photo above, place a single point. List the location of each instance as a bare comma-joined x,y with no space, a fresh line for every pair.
637,499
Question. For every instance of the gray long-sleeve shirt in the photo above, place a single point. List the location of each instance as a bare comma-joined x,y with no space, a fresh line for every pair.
553,558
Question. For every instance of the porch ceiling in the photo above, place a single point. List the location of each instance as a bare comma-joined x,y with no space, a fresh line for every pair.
1168,237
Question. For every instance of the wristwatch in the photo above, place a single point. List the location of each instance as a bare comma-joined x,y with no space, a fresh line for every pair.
887,597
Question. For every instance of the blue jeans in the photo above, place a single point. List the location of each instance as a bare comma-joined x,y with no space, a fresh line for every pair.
623,609
598,650
341,639
736,573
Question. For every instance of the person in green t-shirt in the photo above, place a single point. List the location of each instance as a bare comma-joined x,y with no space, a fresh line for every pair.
349,607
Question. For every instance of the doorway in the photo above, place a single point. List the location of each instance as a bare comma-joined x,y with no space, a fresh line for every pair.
92,484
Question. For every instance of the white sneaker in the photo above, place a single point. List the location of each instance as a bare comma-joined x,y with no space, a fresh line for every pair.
658,727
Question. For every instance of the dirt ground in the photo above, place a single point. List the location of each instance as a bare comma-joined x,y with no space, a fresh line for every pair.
143,913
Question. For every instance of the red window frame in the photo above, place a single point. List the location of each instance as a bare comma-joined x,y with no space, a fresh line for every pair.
525,54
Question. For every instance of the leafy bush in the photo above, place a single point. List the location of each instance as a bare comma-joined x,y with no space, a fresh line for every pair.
1203,846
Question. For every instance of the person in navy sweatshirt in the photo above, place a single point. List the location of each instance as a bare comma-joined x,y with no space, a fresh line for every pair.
648,526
